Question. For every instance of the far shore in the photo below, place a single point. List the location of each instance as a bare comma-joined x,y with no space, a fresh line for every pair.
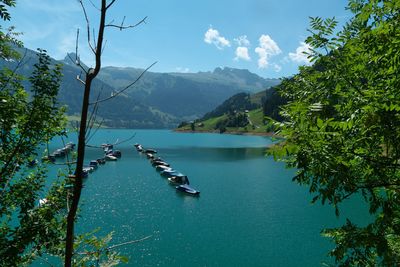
269,134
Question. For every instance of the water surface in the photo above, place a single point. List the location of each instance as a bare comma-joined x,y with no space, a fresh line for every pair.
249,212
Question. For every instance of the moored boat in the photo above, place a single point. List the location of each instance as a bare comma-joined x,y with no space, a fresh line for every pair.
179,179
101,161
110,157
94,164
170,173
88,169
185,188
158,163
160,168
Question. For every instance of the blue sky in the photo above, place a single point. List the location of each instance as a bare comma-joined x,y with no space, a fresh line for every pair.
264,36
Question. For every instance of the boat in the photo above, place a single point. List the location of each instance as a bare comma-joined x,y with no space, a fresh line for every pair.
156,159
94,164
107,147
179,179
68,147
110,157
160,168
88,169
185,188
49,158
158,163
101,161
170,173
115,153
151,151
59,153
150,156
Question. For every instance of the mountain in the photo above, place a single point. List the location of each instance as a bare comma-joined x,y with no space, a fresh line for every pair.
185,95
157,100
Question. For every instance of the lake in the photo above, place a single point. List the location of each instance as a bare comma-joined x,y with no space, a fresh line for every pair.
249,212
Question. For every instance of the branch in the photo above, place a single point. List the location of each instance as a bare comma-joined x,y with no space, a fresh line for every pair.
114,246
116,143
94,5
122,27
78,77
77,60
129,242
4,85
95,131
87,26
124,89
110,4
93,116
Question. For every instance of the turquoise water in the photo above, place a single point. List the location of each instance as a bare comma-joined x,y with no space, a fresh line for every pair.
249,212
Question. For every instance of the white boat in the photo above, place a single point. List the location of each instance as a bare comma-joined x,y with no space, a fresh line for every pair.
179,179
110,158
187,189
88,169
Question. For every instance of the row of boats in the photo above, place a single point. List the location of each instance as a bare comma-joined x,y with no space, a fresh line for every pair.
59,153
164,168
109,155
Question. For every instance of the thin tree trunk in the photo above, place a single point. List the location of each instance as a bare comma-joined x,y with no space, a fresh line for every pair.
90,75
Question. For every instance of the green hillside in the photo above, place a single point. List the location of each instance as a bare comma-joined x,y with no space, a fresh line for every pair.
242,113
256,124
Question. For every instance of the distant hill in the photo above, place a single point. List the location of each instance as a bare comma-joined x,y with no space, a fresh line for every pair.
241,113
158,100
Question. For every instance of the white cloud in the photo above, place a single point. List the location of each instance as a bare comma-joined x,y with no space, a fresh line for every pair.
242,41
242,53
266,49
299,56
212,36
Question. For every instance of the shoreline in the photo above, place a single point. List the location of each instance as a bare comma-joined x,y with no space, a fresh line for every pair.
268,134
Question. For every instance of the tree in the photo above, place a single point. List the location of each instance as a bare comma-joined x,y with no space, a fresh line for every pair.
28,119
342,127
87,121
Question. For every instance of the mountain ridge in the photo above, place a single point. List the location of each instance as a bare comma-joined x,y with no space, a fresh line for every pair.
157,100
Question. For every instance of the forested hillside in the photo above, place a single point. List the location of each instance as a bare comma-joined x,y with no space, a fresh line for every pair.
157,100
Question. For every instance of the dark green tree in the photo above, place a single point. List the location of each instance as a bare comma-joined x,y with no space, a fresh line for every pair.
342,127
28,119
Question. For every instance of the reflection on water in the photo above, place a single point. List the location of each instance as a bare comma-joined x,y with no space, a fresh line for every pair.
217,153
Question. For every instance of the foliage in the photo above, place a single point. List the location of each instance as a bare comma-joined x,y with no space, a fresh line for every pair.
93,251
8,37
237,119
272,104
28,119
342,127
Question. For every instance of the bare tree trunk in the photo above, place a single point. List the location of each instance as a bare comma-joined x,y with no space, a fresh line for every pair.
90,75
